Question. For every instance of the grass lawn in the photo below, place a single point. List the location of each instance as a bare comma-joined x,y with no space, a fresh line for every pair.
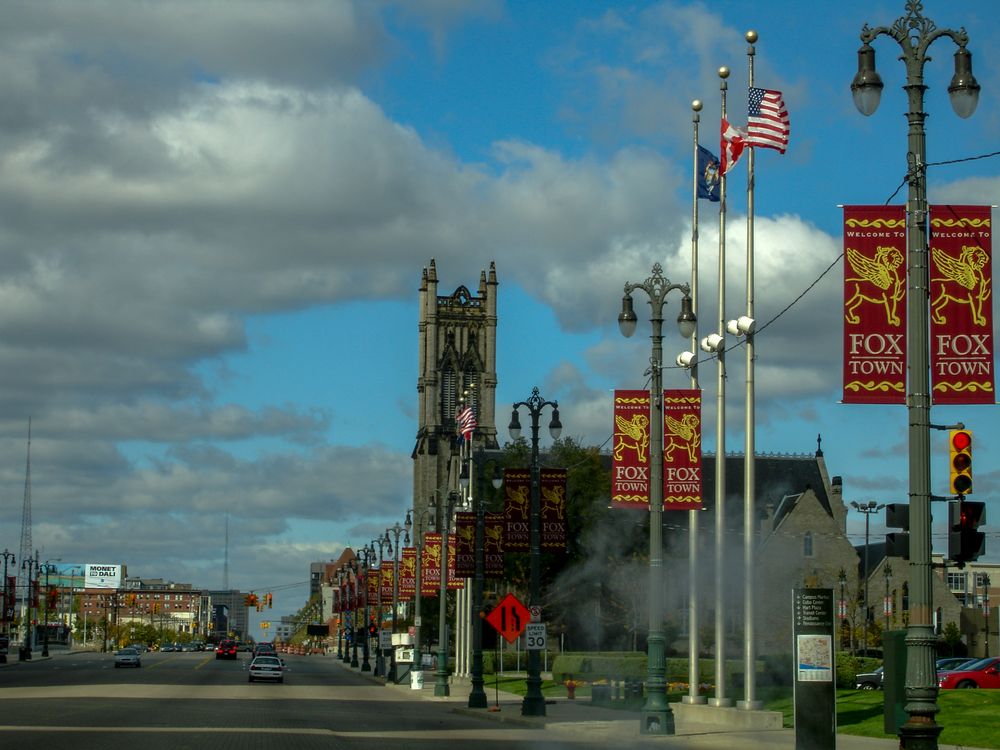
969,717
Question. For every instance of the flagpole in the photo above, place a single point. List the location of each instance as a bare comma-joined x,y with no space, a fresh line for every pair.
720,699
694,679
749,703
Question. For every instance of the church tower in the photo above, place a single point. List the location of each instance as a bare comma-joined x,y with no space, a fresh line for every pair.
457,359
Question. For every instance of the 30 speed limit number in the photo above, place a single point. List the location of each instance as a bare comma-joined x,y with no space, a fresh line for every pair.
534,635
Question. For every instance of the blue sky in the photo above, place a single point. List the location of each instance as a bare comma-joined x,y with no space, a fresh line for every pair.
214,224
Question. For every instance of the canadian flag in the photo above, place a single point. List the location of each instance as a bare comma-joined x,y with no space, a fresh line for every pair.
731,147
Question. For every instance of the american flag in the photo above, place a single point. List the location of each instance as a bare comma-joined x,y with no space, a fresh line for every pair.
767,120
466,421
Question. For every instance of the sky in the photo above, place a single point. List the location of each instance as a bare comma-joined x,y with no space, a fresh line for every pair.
214,218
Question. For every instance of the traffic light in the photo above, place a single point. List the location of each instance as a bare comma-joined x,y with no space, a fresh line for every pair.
960,466
270,600
897,544
965,542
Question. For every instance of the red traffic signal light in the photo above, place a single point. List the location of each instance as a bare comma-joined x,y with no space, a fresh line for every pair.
965,542
960,466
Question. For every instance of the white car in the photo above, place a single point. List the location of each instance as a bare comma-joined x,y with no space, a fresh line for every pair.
267,668
128,657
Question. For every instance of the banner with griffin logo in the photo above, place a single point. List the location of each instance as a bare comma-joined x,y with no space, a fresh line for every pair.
630,451
430,564
961,290
372,579
682,449
454,582
407,574
493,544
874,305
516,509
465,552
387,576
552,484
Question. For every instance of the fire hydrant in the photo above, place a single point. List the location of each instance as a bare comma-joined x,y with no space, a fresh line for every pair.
570,689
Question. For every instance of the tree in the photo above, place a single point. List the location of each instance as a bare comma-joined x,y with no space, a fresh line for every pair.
952,637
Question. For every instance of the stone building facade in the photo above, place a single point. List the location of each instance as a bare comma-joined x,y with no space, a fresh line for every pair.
457,360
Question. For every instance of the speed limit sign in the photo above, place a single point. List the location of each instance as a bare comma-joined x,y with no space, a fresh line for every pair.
534,634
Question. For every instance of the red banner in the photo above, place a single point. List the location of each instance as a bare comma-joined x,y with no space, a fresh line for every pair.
386,576
630,450
682,449
874,305
372,577
552,509
493,544
430,566
961,315
454,583
516,508
465,554
408,574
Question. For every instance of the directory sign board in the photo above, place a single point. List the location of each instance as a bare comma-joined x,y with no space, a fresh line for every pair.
815,671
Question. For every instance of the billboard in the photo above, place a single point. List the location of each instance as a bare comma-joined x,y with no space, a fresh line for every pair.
99,576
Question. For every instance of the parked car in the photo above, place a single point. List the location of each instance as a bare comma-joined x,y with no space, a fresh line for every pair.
950,663
984,673
226,650
128,657
869,680
266,668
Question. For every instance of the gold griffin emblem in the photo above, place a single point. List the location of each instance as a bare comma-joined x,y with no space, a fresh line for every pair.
966,272
884,273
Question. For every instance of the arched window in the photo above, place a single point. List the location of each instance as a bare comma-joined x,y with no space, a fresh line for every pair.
807,544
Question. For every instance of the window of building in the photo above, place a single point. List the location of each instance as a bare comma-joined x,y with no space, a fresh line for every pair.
956,581
981,580
807,544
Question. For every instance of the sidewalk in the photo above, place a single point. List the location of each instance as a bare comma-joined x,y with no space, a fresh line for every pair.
600,723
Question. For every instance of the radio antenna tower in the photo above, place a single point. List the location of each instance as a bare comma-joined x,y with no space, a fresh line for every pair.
25,575
225,563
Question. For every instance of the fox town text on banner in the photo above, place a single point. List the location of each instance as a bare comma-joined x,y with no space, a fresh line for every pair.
961,315
874,305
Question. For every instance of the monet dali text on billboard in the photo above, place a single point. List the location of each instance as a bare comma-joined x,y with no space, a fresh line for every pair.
99,576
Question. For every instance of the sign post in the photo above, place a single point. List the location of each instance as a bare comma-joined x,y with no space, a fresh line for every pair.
815,696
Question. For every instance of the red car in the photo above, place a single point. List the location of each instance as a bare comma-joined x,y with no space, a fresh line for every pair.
984,673
226,650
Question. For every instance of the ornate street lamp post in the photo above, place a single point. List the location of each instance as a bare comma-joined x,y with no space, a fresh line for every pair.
8,612
441,688
914,33
657,717
534,702
395,530
46,568
354,566
867,508
30,565
477,696
369,558
425,521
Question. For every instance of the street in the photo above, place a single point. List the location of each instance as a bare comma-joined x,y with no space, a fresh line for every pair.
192,700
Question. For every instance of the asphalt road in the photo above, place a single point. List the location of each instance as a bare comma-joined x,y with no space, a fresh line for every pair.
192,700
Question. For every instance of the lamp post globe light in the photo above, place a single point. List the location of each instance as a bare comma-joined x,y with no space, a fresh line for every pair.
395,531
914,34
534,702
657,717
